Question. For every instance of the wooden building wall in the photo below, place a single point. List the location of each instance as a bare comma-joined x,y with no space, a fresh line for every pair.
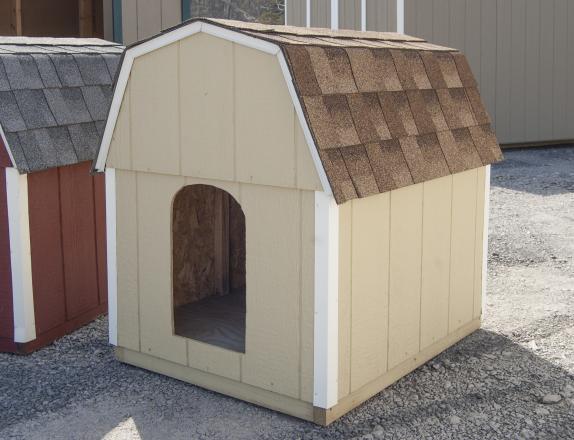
197,112
68,248
6,305
410,275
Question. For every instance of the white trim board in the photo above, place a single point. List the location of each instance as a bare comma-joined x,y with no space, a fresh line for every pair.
363,15
401,16
326,322
485,235
220,32
20,256
335,14
110,180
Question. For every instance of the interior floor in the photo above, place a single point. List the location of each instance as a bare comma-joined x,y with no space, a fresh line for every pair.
216,320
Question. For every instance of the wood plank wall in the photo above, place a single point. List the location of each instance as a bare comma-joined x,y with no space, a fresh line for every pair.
521,52
410,273
67,238
144,18
212,100
6,305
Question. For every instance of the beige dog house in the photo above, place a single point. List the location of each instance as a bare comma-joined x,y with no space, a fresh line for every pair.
296,217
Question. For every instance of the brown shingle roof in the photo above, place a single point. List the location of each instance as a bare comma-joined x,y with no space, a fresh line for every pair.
386,110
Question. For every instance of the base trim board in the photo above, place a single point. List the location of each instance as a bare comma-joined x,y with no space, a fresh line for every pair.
326,416
219,384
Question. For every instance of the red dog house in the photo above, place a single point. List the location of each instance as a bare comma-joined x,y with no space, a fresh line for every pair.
54,95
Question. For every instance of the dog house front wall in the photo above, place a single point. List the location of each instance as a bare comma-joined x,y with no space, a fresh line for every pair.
209,124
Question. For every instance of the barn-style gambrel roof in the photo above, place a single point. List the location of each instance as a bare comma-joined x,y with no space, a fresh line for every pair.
54,98
384,110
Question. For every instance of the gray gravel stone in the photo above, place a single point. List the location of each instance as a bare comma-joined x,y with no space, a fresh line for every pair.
76,389
551,399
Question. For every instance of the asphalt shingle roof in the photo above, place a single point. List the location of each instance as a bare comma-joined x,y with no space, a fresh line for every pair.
54,98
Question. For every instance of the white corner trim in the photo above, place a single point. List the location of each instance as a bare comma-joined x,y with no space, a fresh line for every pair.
363,15
110,179
401,16
20,256
335,14
5,142
157,43
308,13
326,322
306,130
485,235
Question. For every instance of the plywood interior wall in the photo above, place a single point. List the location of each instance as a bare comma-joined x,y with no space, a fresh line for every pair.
410,273
5,17
208,244
42,18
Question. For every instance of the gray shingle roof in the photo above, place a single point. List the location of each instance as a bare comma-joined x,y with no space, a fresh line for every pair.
54,98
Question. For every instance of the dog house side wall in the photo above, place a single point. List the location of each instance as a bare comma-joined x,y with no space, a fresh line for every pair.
198,111
410,278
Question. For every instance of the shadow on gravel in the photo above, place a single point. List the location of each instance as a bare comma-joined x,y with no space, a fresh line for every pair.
543,171
484,387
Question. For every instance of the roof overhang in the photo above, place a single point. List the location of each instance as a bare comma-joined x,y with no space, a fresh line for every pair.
178,33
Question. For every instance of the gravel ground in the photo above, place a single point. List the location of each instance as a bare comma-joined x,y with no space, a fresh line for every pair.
494,384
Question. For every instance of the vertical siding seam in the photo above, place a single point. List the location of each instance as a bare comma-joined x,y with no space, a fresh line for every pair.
295,146
450,253
525,83
234,106
350,360
61,245
179,124
539,68
389,278
300,267
130,125
421,269
137,21
476,202
138,260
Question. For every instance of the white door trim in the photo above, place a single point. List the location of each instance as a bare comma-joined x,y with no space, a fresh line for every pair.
110,179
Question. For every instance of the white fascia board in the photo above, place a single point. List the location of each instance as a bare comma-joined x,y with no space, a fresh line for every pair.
110,179
5,141
485,235
326,317
306,130
335,14
20,256
157,43
401,16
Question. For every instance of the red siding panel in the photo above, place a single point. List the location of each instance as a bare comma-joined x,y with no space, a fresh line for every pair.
79,239
4,157
46,250
100,206
6,310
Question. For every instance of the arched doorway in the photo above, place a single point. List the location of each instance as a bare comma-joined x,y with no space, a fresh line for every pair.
208,266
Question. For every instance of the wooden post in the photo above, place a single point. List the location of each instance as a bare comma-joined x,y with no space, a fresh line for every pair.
16,17
86,18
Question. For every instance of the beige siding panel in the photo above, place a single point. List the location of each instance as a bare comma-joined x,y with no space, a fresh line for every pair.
370,288
127,260
405,273
212,359
206,91
149,18
561,119
321,13
436,262
264,139
457,25
462,249
154,111
473,38
307,294
411,17
119,155
345,246
231,187
570,72
392,16
129,21
155,195
478,247
488,58
532,69
504,49
424,20
273,235
441,19
307,177
518,89
296,14
546,69
350,14
170,13
377,15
